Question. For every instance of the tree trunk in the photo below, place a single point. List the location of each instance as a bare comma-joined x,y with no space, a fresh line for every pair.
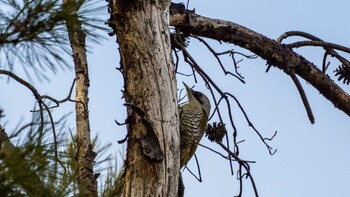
152,165
86,177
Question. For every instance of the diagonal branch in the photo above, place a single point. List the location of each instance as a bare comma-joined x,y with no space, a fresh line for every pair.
274,53
216,55
42,105
225,96
329,47
303,97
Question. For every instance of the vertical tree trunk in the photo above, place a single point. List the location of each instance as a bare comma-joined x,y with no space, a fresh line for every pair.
142,29
86,178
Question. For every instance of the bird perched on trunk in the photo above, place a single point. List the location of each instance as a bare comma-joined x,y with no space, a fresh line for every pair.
193,121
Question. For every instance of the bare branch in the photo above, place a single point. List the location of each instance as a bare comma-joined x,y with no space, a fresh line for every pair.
199,170
246,166
275,53
320,44
329,47
270,149
225,96
31,88
297,33
55,140
42,105
222,155
325,65
216,55
58,102
303,97
23,82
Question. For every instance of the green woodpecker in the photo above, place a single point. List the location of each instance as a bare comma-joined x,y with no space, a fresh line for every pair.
193,121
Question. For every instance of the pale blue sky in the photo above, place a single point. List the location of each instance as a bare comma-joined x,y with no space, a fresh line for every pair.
312,160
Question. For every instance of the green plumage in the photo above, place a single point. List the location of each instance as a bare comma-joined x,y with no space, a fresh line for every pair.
193,121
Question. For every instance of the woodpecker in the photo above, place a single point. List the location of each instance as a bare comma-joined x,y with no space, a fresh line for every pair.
193,121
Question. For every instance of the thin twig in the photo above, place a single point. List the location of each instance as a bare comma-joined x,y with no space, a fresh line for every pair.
303,97
209,83
329,47
252,126
325,65
245,166
221,120
55,141
214,151
216,55
222,155
58,102
39,98
320,44
31,88
199,170
296,33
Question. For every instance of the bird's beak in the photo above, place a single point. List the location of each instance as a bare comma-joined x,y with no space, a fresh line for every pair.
188,89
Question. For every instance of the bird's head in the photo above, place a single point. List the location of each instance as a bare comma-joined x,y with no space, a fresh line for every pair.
195,96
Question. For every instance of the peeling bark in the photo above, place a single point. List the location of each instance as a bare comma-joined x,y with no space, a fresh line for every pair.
142,30
274,53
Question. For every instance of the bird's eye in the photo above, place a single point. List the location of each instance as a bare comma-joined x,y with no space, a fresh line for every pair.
199,97
198,94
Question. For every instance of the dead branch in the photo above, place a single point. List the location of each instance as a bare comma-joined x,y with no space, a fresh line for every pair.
30,87
42,107
225,96
303,97
199,179
342,71
222,155
207,79
270,149
273,52
319,44
329,50
325,64
216,55
58,102
240,175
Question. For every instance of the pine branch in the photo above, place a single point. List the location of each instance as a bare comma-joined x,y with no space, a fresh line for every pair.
20,169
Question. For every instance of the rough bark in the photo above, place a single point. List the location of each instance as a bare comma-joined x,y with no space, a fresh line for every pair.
274,53
152,164
86,177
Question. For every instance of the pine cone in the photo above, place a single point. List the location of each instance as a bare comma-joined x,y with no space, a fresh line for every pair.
343,72
215,132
